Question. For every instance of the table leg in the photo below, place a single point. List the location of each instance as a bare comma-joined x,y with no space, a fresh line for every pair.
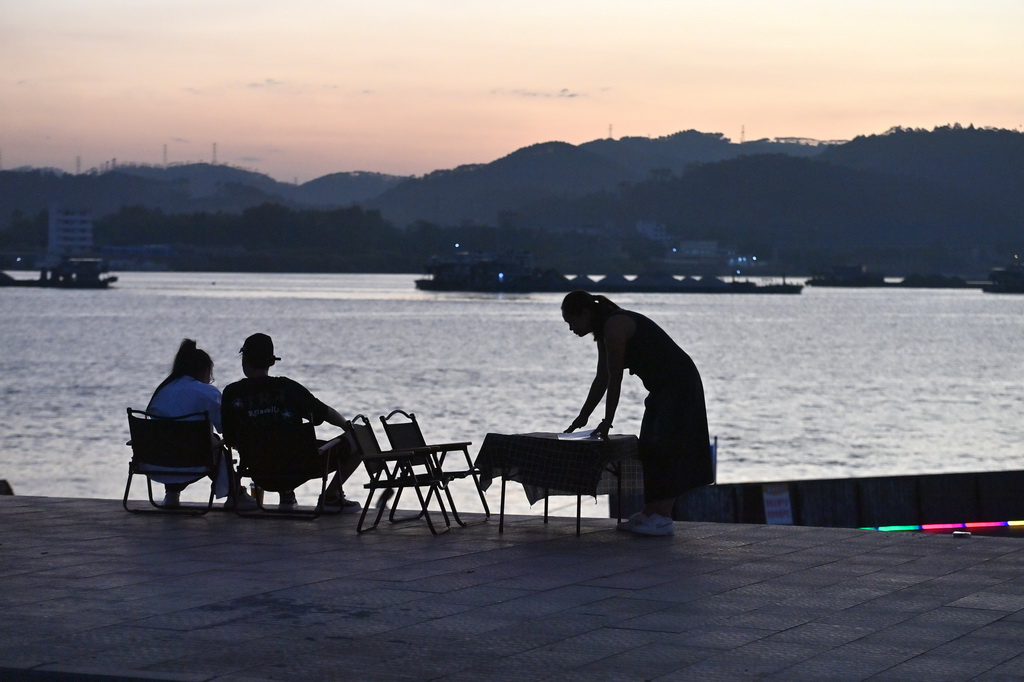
501,514
579,502
618,499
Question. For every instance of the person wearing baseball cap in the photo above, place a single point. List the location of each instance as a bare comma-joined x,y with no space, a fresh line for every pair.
267,400
259,349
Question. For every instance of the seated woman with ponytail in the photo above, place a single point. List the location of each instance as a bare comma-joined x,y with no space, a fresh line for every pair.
188,389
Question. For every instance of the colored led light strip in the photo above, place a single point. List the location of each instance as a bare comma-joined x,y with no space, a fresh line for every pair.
947,526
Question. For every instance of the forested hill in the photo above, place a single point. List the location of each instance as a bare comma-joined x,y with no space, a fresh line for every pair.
982,165
939,197
186,188
952,188
474,192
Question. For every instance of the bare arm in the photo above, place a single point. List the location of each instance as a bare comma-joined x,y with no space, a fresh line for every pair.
597,389
611,359
335,417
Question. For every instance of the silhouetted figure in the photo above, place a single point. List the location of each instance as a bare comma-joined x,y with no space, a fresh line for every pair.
262,399
674,442
186,390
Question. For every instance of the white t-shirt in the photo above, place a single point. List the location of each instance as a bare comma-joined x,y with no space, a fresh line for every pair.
185,396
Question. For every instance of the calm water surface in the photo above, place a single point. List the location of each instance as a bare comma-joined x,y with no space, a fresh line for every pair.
830,383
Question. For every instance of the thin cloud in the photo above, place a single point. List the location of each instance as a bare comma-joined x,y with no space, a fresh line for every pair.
266,83
564,93
274,85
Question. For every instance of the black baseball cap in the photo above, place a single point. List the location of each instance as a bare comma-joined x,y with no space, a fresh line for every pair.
260,348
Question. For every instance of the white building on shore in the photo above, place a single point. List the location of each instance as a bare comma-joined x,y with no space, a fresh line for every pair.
69,235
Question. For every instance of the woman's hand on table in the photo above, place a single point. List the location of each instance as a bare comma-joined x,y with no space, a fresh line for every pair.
577,423
602,429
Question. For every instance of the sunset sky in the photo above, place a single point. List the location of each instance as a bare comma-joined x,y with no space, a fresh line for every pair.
304,88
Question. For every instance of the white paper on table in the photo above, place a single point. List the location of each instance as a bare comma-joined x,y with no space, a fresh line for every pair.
579,435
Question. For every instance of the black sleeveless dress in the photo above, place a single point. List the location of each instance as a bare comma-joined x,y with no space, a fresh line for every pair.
674,441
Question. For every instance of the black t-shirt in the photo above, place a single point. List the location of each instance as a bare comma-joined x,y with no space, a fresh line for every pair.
267,401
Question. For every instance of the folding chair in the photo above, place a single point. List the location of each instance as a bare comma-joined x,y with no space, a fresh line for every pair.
397,470
171,446
406,434
281,457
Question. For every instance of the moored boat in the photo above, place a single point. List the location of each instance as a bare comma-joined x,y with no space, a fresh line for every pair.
858,276
515,273
69,273
1008,280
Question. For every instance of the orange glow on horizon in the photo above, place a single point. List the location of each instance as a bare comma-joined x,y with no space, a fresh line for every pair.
301,90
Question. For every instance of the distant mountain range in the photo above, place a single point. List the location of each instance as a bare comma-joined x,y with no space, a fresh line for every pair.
472,193
557,170
952,187
187,188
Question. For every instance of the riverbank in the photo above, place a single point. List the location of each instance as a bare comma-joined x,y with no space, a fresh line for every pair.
93,591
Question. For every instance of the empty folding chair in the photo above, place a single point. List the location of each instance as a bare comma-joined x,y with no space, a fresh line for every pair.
398,470
403,431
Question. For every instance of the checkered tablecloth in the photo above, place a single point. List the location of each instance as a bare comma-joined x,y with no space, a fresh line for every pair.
547,465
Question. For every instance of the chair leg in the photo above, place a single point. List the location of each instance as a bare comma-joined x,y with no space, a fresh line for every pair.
149,491
476,482
483,499
372,487
440,503
127,489
434,490
262,512
213,496
159,508
425,502
393,513
392,518
366,508
321,505
446,486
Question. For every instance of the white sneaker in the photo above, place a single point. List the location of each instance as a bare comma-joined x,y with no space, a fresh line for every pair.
242,501
632,522
656,524
172,499
342,505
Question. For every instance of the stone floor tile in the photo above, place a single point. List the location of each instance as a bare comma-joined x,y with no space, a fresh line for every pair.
85,585
929,668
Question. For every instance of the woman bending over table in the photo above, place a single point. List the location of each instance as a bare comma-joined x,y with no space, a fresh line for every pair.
674,443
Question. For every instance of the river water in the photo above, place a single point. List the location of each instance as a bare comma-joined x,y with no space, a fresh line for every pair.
826,384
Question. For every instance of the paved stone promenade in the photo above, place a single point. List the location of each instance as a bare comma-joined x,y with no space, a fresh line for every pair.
89,592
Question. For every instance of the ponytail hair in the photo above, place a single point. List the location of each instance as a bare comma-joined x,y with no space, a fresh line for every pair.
600,308
191,361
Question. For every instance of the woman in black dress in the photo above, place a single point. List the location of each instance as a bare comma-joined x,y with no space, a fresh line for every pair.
674,443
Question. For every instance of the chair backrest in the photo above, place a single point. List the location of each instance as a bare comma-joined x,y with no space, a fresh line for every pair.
183,441
279,456
369,446
403,433
365,438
